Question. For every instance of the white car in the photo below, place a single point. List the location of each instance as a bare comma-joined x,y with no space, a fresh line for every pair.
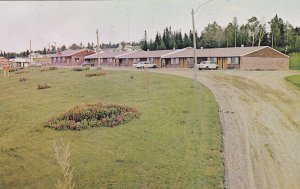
208,65
145,64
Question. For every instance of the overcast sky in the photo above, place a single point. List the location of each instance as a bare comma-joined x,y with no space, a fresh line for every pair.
124,20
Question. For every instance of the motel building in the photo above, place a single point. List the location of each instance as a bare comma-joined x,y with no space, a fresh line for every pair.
243,58
70,57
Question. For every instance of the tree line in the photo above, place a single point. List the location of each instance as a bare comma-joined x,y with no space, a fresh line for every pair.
53,49
280,35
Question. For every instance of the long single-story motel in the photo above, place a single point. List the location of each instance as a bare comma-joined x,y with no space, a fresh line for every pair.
244,58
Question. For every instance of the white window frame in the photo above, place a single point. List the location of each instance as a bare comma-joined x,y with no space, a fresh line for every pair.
174,60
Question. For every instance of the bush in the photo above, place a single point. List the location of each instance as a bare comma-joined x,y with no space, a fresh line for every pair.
43,86
93,115
48,68
14,69
95,74
44,69
23,79
53,68
78,69
21,71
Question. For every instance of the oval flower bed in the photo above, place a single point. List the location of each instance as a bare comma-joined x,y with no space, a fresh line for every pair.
93,115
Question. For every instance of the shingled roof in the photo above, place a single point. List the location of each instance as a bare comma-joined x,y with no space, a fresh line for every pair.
146,54
106,55
67,53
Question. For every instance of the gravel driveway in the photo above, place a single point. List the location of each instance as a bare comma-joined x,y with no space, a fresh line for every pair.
260,115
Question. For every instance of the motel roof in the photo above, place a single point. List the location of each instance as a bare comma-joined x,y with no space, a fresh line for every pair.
217,52
106,54
146,54
68,53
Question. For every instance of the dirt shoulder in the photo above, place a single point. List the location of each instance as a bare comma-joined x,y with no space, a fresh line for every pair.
260,115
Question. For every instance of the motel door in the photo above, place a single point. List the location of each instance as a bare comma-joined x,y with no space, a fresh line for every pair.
222,63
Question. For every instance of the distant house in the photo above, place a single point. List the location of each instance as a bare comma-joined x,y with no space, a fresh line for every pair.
3,60
20,62
128,48
70,57
106,58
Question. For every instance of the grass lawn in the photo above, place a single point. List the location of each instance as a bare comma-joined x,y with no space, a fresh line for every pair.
295,61
294,79
176,142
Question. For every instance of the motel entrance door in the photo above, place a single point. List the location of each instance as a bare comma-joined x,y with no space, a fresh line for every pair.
222,63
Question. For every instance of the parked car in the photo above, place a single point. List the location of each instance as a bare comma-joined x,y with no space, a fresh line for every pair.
208,65
87,63
145,64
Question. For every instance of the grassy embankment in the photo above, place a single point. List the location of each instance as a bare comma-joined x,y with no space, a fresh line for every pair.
176,142
294,79
295,61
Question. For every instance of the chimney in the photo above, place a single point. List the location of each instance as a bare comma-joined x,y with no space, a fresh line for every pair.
242,45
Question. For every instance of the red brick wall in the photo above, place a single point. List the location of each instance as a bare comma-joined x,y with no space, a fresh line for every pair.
262,63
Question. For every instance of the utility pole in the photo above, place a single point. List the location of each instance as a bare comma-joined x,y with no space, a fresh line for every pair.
98,49
30,51
194,36
195,56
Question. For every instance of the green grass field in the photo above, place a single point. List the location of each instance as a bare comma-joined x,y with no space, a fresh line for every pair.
294,79
176,143
295,61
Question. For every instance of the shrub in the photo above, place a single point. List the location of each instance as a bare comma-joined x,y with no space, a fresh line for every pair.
131,76
78,69
44,69
52,68
23,79
21,71
95,74
93,115
14,69
43,86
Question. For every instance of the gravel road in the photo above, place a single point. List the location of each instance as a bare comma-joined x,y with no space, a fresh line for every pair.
260,116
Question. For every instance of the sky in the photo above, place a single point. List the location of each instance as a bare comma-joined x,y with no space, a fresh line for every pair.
70,22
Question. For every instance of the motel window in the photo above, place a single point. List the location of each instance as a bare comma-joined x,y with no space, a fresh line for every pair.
134,60
150,60
63,59
110,60
212,59
190,60
233,60
175,61
76,59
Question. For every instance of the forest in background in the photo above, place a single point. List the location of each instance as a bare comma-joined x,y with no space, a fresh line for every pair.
275,33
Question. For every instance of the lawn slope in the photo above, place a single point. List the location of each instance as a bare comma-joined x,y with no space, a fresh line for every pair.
176,142
295,61
294,79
